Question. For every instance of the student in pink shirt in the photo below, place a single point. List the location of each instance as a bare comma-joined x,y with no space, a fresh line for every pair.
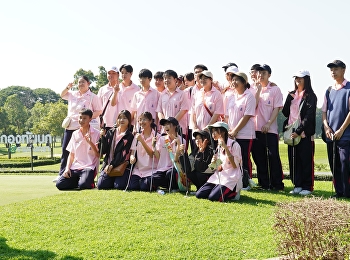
143,160
83,156
165,168
105,94
207,104
173,102
115,144
239,115
146,99
227,92
124,93
265,150
226,182
77,100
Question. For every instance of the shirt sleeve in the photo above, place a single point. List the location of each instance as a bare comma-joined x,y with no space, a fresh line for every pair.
250,106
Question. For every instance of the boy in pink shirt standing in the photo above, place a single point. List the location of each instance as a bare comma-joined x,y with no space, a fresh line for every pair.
146,99
173,102
124,93
83,156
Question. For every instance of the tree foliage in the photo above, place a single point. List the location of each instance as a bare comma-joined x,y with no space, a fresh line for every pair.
101,78
17,113
46,95
24,94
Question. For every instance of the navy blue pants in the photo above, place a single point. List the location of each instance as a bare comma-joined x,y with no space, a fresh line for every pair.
138,183
80,179
106,182
269,168
162,179
64,157
341,176
198,178
212,192
304,164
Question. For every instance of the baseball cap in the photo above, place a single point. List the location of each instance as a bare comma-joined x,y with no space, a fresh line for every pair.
114,68
204,134
301,73
255,66
336,63
169,120
230,64
232,69
219,124
242,75
206,73
264,67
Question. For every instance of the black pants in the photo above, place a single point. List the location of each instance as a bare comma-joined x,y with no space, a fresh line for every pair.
302,170
341,172
266,156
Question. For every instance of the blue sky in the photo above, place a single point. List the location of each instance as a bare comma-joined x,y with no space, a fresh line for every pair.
43,43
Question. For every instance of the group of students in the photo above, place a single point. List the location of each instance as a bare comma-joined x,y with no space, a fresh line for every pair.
224,124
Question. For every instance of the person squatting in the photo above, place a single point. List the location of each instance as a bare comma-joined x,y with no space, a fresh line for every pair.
145,132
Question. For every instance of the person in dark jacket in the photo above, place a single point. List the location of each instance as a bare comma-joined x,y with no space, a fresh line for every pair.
202,155
116,145
301,156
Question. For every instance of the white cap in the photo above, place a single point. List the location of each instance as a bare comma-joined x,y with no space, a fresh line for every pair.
114,68
301,73
232,69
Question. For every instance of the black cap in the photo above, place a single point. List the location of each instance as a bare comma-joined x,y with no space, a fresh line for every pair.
255,66
204,134
336,63
264,67
229,65
169,120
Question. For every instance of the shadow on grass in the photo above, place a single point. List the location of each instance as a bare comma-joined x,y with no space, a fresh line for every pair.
7,252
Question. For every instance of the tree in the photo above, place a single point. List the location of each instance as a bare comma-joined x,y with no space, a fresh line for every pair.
35,121
4,122
46,95
53,119
101,78
17,113
25,95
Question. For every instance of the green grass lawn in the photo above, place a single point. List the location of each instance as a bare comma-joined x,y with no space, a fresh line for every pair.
39,222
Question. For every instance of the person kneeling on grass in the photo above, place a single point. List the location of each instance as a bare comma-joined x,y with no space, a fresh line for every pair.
83,157
226,182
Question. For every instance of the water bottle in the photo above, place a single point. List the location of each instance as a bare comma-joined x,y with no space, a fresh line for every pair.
161,192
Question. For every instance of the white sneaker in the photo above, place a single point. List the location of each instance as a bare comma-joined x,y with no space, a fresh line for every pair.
296,190
246,188
305,192
238,195
252,184
56,179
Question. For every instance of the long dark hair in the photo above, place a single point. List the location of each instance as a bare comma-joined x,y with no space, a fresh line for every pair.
307,86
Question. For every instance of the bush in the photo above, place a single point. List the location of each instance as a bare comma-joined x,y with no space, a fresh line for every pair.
25,162
313,228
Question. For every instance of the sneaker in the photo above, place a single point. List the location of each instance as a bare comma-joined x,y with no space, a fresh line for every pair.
305,192
246,188
56,179
238,195
296,190
252,184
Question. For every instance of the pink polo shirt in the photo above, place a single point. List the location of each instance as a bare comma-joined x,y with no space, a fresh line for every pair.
165,162
84,156
125,96
76,102
170,104
225,96
214,102
229,176
143,166
239,106
145,102
270,98
110,114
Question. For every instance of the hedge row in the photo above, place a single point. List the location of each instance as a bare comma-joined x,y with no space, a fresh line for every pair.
26,163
